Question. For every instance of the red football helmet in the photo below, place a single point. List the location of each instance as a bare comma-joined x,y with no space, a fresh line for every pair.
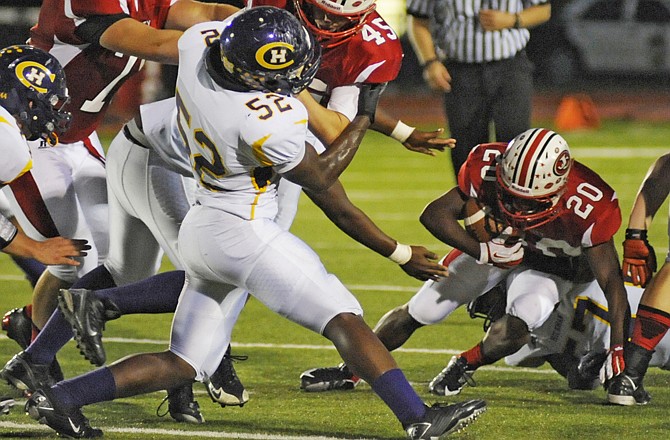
531,176
334,21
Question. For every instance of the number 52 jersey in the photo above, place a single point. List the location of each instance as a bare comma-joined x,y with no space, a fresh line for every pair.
238,141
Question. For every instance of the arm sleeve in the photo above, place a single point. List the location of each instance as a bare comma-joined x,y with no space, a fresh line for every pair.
92,29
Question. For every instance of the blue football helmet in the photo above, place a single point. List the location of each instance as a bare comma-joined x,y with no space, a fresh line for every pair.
267,49
33,90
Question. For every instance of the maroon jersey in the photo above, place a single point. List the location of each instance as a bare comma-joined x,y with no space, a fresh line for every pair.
93,73
591,213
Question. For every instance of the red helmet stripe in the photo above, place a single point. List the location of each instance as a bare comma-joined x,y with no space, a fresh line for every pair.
528,160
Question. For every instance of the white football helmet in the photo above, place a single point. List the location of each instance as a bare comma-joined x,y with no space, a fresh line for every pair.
532,175
334,21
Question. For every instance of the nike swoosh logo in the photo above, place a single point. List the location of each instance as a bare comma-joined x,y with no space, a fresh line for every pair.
215,392
75,428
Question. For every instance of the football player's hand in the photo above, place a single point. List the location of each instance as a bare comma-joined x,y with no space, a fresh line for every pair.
613,365
368,97
424,266
501,252
427,142
59,250
639,258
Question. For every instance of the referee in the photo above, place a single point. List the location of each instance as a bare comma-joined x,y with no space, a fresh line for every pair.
474,51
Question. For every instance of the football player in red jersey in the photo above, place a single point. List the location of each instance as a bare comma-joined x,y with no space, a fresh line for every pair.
358,47
566,216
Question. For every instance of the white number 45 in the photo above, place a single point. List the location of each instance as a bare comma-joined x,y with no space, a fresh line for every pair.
371,34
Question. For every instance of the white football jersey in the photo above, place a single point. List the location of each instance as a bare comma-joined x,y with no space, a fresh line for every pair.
580,324
238,141
16,158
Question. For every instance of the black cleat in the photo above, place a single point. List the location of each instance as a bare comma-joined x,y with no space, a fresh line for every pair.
452,378
224,387
622,390
72,424
329,378
441,420
182,406
86,314
21,373
19,326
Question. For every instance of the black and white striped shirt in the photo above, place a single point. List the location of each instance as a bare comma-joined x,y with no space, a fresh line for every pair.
456,32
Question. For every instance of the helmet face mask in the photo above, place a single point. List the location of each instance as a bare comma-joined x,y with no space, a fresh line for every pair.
267,49
33,90
531,177
334,22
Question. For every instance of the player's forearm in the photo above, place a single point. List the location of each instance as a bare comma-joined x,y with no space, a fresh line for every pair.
326,124
342,150
421,39
186,13
131,37
351,220
653,192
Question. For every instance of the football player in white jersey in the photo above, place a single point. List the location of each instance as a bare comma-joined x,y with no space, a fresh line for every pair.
139,216
639,264
575,338
33,93
248,68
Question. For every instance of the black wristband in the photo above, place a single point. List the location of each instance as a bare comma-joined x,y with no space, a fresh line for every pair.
636,234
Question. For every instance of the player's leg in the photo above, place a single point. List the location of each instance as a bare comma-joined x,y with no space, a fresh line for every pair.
46,205
651,324
288,277
433,303
530,300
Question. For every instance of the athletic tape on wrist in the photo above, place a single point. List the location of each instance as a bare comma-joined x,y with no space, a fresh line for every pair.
402,132
7,232
402,254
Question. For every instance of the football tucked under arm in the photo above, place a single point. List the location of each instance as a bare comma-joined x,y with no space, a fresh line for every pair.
479,222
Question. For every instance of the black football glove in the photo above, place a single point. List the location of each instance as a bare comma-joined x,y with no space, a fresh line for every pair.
368,97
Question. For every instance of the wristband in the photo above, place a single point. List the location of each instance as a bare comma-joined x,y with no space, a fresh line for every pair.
636,234
402,254
7,232
429,62
402,132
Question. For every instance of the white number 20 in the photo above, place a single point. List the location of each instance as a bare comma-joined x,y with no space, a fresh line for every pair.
577,204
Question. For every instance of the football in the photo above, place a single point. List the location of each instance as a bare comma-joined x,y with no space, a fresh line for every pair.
479,222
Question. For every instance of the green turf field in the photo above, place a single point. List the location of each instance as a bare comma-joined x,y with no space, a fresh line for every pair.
392,185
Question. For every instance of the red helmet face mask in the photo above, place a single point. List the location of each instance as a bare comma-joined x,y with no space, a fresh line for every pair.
334,21
531,177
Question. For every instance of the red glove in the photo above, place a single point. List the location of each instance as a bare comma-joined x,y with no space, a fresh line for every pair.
639,258
614,364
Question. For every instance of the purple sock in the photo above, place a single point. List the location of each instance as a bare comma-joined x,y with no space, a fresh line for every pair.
98,278
31,268
55,334
157,294
399,396
96,386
